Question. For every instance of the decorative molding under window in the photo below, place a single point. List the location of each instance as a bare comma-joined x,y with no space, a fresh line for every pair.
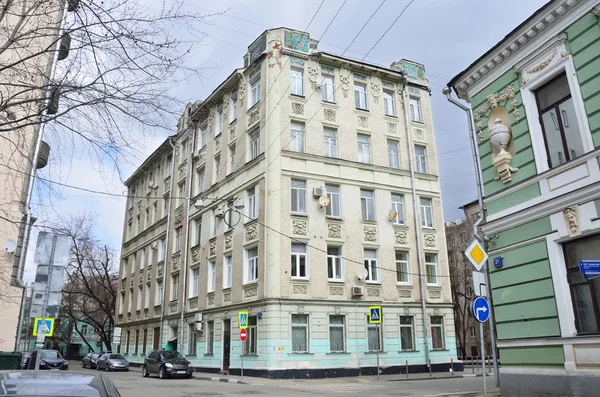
250,292
336,291
298,108
400,236
251,232
173,306
167,185
218,144
157,310
300,227
434,293
149,273
232,134
300,289
370,233
175,261
212,248
253,116
196,251
178,215
392,128
329,114
182,171
228,241
429,240
211,299
227,297
193,303
419,134
334,230
374,292
160,270
404,293
363,122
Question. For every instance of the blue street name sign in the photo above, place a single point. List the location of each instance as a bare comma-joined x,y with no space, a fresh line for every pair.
498,262
481,309
590,269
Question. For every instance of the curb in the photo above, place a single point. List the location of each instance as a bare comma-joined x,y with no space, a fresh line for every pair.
437,378
217,379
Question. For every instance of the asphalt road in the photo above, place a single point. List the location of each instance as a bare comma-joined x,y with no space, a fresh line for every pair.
132,384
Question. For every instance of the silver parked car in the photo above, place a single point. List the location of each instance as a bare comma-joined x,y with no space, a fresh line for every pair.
112,362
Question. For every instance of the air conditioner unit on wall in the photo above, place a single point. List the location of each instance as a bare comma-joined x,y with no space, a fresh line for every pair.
317,191
199,326
198,317
357,290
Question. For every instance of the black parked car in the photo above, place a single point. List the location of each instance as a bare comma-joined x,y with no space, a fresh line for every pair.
90,360
166,363
49,359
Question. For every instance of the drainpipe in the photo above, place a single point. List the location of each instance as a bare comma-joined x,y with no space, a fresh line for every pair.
417,225
187,232
167,245
447,91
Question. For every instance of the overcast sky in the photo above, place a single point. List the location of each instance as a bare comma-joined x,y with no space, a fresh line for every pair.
444,35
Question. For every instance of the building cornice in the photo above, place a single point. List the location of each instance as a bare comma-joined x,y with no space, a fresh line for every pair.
540,27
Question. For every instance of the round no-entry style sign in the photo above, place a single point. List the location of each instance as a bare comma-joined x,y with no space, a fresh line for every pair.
243,335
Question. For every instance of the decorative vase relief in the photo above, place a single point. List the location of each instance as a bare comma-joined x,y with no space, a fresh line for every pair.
500,137
228,242
334,230
251,232
401,236
392,128
363,121
313,76
375,91
419,134
493,101
430,240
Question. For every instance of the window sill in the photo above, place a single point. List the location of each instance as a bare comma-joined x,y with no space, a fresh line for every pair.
374,352
336,353
329,102
393,116
429,229
254,105
336,281
208,355
369,222
250,283
334,218
297,96
300,279
249,355
362,110
302,214
408,351
233,121
434,286
249,221
417,122
404,284
301,353
191,355
440,350
373,282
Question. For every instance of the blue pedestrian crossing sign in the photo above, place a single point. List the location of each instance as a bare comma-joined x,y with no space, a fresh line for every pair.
37,326
481,309
374,314
243,320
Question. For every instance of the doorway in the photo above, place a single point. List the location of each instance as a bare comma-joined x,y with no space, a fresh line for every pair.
155,336
226,344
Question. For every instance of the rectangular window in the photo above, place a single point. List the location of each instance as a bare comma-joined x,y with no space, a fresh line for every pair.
154,212
233,106
298,196
219,120
431,269
184,151
437,332
298,261
393,155
585,292
147,296
327,88
212,276
180,194
84,329
127,340
374,337
133,262
398,208
192,339
473,333
161,249
426,212
197,231
421,159
147,217
122,302
137,342
559,121
231,158
406,333
177,242
402,267
334,263
252,203
251,271
254,145
389,104
194,282
210,337
364,148
158,293
174,287
367,205
371,265
415,109
360,96
227,271
213,224
202,140
217,168
299,333
297,137
333,209
168,165
329,142
296,81
337,334
139,298
254,92
142,258
252,339
166,206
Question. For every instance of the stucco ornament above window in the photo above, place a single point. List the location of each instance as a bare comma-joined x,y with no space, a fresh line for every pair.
494,100
500,136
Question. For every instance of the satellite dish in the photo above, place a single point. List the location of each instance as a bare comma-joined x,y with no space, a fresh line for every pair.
392,214
10,245
361,273
324,201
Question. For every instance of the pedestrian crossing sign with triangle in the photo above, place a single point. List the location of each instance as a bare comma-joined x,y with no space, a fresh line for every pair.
374,314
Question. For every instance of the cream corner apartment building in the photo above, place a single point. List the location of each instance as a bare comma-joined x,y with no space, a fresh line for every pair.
227,216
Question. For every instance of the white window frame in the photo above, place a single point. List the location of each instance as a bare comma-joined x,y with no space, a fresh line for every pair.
298,325
121,302
194,282
360,96
250,265
192,339
416,113
227,271
421,160
297,137
219,120
379,328
211,279
393,152
331,262
233,102
405,264
297,81
299,203
327,89
142,258
197,231
175,287
330,143
398,206
298,256
389,100
147,296
432,265
441,327
427,219
217,168
372,266
367,216
180,194
158,293
202,136
254,91
411,326
252,195
364,148
162,245
177,240
343,327
334,200
254,144
139,297
565,64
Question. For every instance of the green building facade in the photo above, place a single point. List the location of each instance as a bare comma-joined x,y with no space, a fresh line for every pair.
536,104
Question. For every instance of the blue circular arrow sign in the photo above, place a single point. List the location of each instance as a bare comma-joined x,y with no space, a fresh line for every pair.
481,309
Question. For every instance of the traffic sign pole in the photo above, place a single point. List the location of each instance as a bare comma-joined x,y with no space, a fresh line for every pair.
483,375
243,350
41,336
378,348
